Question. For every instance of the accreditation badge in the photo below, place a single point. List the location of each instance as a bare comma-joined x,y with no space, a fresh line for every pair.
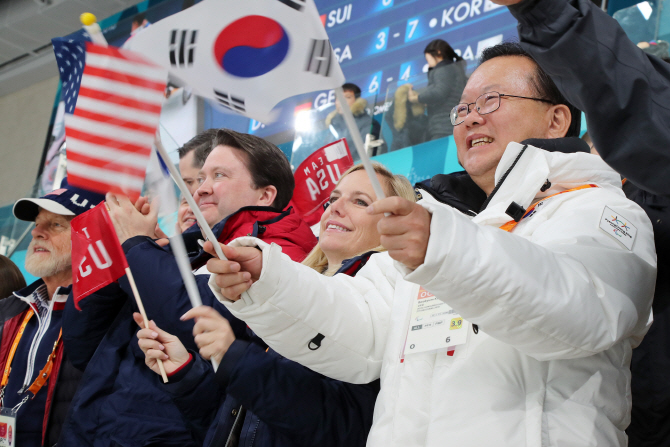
433,325
7,427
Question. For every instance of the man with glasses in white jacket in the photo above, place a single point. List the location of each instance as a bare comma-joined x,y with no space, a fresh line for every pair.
522,331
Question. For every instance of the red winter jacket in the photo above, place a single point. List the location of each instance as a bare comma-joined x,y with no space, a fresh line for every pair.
284,228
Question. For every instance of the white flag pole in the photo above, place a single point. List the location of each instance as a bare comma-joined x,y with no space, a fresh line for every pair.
181,256
358,143
204,226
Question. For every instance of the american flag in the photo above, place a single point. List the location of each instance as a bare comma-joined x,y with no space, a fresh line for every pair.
110,132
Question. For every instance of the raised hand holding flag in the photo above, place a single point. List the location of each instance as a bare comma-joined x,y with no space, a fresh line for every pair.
98,259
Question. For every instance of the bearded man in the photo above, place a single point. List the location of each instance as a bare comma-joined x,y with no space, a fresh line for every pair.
37,380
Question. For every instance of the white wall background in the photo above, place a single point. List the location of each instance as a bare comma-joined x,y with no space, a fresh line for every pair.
24,121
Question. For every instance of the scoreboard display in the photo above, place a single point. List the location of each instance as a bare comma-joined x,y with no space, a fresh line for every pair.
380,43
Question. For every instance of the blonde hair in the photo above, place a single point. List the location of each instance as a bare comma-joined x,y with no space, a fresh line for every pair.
394,185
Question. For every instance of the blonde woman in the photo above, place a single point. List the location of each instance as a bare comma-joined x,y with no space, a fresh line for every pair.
262,397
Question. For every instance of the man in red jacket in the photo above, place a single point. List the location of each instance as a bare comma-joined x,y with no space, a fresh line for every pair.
244,189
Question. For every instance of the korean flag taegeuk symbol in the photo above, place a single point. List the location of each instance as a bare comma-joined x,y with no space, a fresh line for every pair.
246,55
251,46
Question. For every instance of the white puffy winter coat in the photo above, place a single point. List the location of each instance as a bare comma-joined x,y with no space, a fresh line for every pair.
560,303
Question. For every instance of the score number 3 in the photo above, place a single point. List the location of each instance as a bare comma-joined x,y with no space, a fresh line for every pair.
381,40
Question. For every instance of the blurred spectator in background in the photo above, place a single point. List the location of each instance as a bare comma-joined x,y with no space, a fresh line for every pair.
185,216
11,278
407,120
366,124
192,157
139,22
188,165
446,81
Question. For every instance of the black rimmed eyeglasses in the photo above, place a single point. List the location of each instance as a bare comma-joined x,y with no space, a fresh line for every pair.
487,103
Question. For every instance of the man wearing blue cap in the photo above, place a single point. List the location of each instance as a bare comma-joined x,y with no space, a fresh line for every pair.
37,383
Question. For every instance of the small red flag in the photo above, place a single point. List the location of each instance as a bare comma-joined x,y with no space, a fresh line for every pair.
316,178
97,256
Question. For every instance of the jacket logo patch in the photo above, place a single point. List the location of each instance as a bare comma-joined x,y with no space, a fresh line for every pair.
618,227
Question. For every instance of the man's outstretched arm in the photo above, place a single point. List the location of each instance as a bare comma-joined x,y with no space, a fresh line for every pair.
624,93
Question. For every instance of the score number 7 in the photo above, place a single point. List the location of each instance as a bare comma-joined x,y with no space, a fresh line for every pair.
411,27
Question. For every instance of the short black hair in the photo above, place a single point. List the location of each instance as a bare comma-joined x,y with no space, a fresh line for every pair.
198,143
266,163
139,18
349,87
544,86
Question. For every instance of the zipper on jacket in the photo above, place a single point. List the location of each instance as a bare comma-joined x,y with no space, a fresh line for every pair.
42,327
475,328
253,435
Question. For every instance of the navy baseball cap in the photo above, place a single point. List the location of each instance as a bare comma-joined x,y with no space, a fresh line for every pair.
67,200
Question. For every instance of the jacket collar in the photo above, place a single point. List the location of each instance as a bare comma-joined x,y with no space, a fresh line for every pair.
351,266
532,170
247,221
457,190
27,294
260,214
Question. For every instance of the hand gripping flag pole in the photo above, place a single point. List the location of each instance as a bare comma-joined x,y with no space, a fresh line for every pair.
94,238
161,186
358,143
204,226
181,256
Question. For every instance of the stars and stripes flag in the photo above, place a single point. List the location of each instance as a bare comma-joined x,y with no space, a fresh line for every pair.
244,55
113,102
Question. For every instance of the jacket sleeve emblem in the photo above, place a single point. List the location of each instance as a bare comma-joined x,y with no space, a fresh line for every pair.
618,227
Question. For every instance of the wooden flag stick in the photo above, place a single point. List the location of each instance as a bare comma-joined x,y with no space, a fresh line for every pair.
358,143
204,226
131,280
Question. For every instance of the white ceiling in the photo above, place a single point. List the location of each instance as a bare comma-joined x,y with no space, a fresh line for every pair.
26,29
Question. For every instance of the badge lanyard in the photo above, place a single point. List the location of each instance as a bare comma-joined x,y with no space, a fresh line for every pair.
433,325
43,375
509,226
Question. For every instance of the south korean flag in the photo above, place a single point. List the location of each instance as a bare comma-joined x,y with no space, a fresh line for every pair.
245,55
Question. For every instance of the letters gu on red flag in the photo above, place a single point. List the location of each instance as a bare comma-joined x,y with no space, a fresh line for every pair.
97,256
316,178
113,101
